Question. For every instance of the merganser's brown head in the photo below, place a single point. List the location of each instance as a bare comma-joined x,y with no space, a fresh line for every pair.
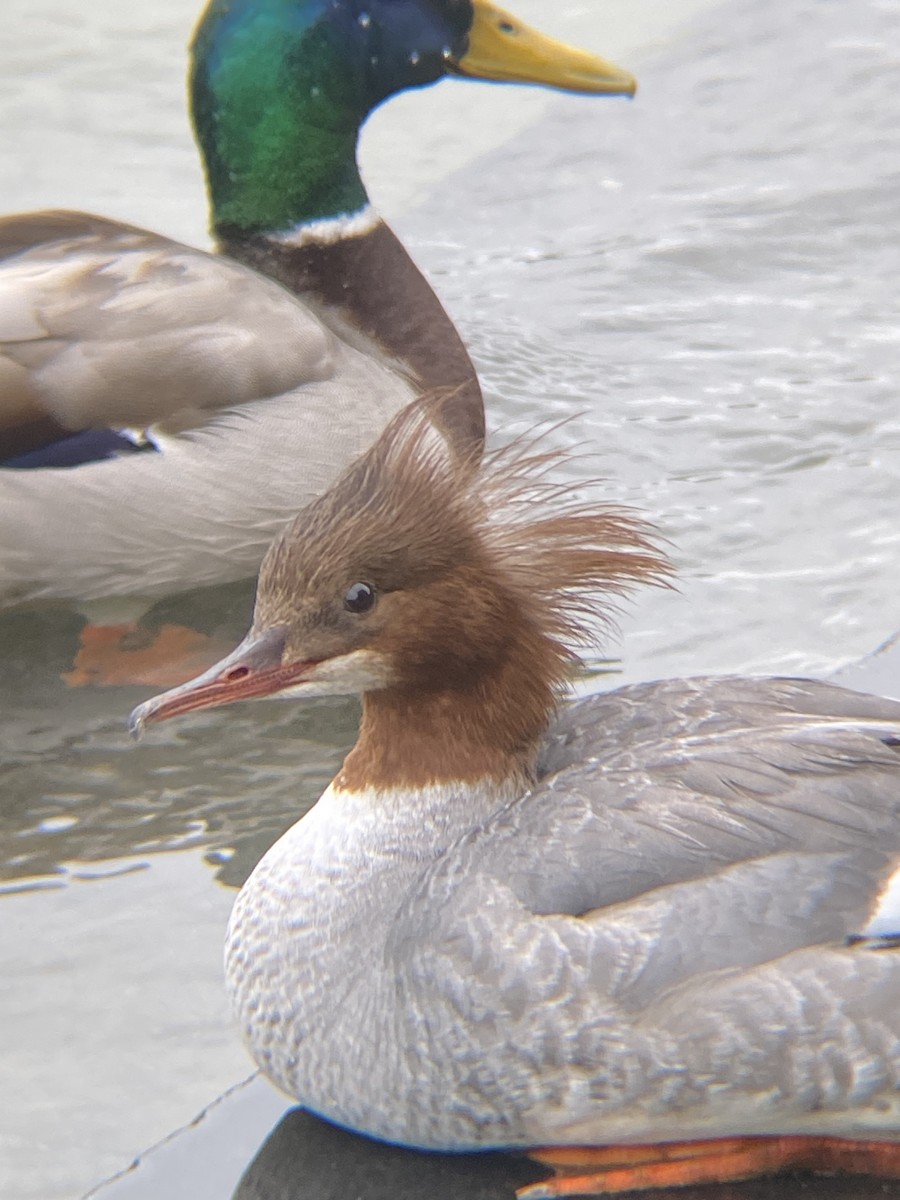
451,594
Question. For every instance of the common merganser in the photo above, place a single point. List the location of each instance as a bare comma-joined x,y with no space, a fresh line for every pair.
663,921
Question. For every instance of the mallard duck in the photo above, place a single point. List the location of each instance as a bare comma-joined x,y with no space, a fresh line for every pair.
663,921
220,391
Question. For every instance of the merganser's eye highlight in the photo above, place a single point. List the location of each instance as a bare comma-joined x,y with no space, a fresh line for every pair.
360,598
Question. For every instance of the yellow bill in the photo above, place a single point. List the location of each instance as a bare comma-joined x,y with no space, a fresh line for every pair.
503,48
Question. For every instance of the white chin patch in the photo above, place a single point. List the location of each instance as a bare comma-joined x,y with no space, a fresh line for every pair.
349,675
885,920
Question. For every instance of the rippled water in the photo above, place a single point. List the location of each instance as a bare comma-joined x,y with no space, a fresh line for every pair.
705,282
715,284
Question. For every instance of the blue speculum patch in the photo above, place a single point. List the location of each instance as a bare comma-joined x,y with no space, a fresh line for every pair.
93,445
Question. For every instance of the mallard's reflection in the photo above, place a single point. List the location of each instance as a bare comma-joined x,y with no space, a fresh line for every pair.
75,788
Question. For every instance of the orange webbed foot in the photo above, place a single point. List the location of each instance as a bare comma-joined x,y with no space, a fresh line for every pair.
611,1170
127,655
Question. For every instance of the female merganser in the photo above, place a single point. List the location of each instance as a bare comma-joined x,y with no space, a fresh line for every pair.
665,914
251,378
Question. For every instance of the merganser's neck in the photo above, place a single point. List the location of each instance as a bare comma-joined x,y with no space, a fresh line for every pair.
473,735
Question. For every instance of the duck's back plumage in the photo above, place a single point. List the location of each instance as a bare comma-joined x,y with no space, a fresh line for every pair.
669,937
213,333
679,901
256,409
246,383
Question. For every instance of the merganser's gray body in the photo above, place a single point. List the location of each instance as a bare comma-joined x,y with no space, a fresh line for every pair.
658,942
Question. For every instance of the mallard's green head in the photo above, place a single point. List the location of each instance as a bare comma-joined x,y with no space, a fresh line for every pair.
280,89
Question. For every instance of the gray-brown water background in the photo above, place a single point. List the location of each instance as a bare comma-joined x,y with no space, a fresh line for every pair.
704,280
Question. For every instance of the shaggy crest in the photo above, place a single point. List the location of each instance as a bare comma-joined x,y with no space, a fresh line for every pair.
422,507
567,560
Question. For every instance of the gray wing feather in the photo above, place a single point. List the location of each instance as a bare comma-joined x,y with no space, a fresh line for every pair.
664,918
656,783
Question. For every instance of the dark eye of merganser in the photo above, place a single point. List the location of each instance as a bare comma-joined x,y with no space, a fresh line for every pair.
360,598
